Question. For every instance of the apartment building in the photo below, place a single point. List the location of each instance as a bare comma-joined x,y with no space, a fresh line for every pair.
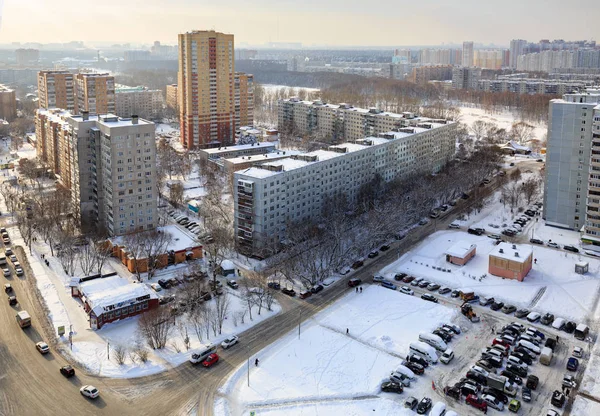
572,130
271,195
532,86
591,233
424,74
227,152
8,103
95,93
206,89
244,99
491,59
464,78
140,101
109,165
549,60
467,54
26,57
57,89
517,48
172,100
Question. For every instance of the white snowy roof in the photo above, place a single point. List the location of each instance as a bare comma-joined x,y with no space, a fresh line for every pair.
460,249
227,149
179,240
519,254
265,157
114,290
581,327
227,265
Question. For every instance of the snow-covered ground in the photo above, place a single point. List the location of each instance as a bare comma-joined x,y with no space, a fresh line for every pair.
564,292
272,89
583,406
505,120
321,371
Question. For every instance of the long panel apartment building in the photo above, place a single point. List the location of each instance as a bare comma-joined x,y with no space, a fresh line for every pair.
108,164
271,195
336,123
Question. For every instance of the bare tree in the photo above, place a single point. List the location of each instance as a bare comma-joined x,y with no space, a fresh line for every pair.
522,132
529,188
222,304
87,258
120,353
145,248
176,193
155,326
197,318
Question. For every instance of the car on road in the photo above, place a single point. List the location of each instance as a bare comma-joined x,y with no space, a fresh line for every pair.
571,248
384,247
230,341
406,290
378,278
577,352
433,286
553,245
536,241
495,236
533,317
392,387
317,288
521,313
526,394
211,360
89,391
289,292
454,226
354,282
232,284
67,371
428,297
156,287
373,254
424,406
411,402
572,364
507,309
477,403
42,347
12,300
389,285
547,319
444,290
497,306
6,272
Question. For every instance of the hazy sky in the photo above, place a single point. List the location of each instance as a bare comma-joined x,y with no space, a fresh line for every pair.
331,22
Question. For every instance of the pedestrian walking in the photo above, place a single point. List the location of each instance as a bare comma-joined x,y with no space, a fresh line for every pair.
256,362
357,289
535,261
557,339
347,331
361,289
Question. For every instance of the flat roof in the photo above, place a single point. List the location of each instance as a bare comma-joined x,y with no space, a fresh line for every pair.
264,157
460,249
515,252
112,120
226,149
179,240
102,292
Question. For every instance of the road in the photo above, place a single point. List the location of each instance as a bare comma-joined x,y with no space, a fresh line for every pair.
30,384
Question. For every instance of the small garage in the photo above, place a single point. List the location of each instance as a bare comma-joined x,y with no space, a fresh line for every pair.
460,253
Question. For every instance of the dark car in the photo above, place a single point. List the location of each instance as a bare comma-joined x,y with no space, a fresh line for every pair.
525,351
522,313
571,248
526,394
475,231
8,288
547,319
523,357
67,371
303,295
497,306
414,367
373,254
430,298
274,285
316,289
357,264
232,284
455,293
514,378
496,393
423,284
385,247
558,399
570,327
416,359
572,364
532,382
443,335
354,282
392,387
453,392
400,276
12,300
408,279
289,292
164,283
479,378
424,406
550,343
520,371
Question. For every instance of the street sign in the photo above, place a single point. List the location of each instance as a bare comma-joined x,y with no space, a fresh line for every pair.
61,331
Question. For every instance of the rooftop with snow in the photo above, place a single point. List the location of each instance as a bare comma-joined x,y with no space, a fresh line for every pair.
515,252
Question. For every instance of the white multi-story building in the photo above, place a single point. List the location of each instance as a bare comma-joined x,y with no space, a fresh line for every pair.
109,165
467,54
139,101
532,85
464,78
517,48
274,194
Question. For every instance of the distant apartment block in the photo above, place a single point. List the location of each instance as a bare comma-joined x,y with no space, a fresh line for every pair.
140,101
269,196
107,163
57,89
95,93
26,57
137,55
424,74
532,86
244,99
491,59
550,60
517,48
232,165
172,97
8,103
467,54
572,183
464,78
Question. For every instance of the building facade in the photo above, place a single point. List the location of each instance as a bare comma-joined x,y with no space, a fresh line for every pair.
568,155
510,261
467,54
206,89
532,85
27,57
172,99
244,99
57,89
8,103
517,48
109,165
424,74
466,78
140,101
269,196
95,93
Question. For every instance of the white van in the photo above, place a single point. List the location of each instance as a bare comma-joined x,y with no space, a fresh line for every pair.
438,409
433,340
202,354
406,371
447,356
425,351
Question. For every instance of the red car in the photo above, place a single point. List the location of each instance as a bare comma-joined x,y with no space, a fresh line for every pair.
501,342
210,360
354,282
408,279
477,403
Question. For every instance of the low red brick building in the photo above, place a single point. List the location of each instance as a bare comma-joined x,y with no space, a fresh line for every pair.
460,253
511,261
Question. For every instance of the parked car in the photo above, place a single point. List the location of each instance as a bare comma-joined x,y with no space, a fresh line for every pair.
514,406
389,285
391,387
406,290
495,237
533,317
514,378
433,286
408,279
424,406
455,293
357,264
444,290
453,392
516,369
477,403
454,226
305,294
508,309
416,359
12,300
484,300
156,287
547,319
232,284
317,288
7,288
569,381
451,327
521,313
289,292
572,364
373,254
399,276
553,245
428,297
384,247
442,334
416,282
577,352
493,402
479,378
497,306
500,341
536,241
571,248
423,284
414,367
526,394
523,357
230,341
558,399
570,327
89,391
354,282
378,278
411,402
496,393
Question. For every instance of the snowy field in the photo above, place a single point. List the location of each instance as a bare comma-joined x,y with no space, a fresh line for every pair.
504,120
323,370
583,406
563,292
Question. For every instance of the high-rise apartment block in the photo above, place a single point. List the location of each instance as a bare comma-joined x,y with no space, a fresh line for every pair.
96,93
466,78
490,59
467,54
57,89
140,101
270,196
206,89
572,183
172,100
547,61
26,57
517,48
424,74
107,163
8,103
244,99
